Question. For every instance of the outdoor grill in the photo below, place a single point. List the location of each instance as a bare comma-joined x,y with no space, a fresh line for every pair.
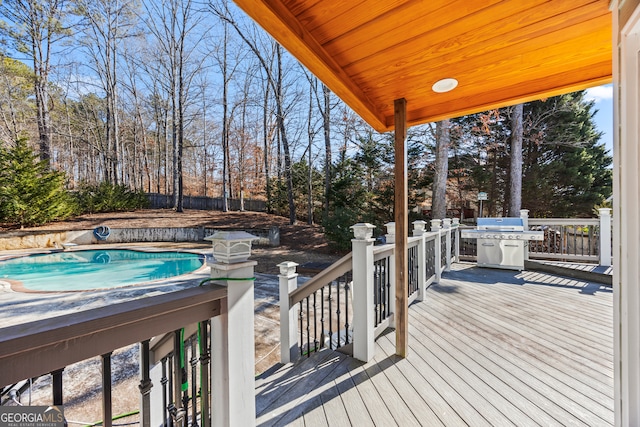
502,242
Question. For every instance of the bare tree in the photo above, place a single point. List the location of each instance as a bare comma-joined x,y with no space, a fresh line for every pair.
276,83
326,126
323,103
311,132
106,23
173,23
139,124
34,27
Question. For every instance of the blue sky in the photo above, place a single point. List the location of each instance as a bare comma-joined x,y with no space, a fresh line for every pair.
603,97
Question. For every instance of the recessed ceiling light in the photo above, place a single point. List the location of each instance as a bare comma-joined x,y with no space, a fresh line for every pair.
444,85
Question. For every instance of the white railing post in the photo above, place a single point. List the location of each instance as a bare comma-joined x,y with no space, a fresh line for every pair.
436,225
288,279
524,214
232,352
419,231
446,223
233,400
363,304
391,239
605,236
456,249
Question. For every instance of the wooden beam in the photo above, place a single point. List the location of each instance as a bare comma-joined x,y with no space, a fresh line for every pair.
401,218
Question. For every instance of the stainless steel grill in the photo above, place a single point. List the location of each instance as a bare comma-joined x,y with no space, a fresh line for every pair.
502,242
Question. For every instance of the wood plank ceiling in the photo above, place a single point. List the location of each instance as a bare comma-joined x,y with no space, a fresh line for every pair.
371,52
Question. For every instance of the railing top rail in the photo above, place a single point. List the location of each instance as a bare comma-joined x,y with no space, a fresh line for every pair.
337,269
431,235
383,251
564,221
413,241
33,348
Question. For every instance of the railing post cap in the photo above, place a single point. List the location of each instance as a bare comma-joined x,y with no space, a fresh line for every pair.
391,227
419,224
287,268
446,222
362,230
604,211
456,221
435,224
524,213
230,247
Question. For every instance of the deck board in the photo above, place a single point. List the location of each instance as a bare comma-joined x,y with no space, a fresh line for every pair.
554,342
350,396
486,348
487,365
371,398
550,356
423,388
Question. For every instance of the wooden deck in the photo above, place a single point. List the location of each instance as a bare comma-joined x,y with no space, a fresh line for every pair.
487,348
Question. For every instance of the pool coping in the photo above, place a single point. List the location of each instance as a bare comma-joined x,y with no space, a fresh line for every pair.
18,287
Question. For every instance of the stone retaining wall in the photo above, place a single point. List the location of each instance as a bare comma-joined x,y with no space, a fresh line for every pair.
57,239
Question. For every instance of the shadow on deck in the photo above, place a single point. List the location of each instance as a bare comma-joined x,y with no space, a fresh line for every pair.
487,347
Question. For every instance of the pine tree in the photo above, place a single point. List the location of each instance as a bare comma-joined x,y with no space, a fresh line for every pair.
566,168
30,193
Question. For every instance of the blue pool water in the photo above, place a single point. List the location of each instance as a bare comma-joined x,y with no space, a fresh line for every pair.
96,269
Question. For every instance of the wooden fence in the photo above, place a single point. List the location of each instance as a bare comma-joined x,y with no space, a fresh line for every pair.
165,201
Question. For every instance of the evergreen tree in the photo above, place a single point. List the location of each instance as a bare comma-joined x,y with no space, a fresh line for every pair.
566,169
362,190
30,193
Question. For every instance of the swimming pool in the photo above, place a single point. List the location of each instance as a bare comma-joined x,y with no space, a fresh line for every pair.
95,269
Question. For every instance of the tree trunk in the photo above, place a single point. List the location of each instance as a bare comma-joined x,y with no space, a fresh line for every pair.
326,125
285,142
439,193
225,130
181,110
44,119
310,134
515,177
265,136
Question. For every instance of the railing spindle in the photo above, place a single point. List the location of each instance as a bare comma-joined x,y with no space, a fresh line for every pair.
315,323
301,316
171,407
164,381
338,310
205,357
330,299
194,382
346,309
308,330
322,325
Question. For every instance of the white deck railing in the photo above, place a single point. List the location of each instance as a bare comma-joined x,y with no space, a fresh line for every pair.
573,239
186,378
565,239
360,287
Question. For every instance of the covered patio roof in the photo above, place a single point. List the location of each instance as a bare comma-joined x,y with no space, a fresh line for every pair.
372,52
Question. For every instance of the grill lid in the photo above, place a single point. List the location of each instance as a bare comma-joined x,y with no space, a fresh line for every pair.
500,222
